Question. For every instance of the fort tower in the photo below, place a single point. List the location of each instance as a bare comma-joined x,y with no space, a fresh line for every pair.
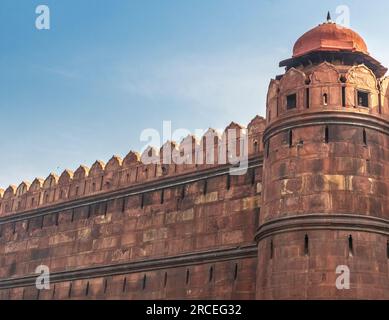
326,172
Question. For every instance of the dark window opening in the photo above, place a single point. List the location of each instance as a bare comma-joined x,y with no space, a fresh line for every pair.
267,149
256,217
253,173
142,201
271,249
363,99
326,134
165,280
255,146
72,216
205,187
387,249
307,98
306,245
124,204
144,282
70,290
228,182
325,99
291,101
290,138
343,97
105,208
105,285
210,274
87,289
53,294
162,196
187,276
124,288
183,192
236,271
364,137
350,245
42,222
89,211
101,182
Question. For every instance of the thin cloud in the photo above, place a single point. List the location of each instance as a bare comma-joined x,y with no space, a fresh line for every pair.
221,82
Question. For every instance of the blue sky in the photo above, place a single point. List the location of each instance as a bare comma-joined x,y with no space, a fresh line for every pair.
106,70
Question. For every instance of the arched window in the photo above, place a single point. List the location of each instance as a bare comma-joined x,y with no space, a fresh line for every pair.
325,99
255,146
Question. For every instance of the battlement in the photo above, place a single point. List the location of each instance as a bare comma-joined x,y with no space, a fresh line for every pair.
171,160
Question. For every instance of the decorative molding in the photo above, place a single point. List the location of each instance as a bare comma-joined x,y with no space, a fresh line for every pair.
343,222
326,118
249,251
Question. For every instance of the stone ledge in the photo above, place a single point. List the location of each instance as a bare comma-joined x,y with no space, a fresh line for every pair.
138,266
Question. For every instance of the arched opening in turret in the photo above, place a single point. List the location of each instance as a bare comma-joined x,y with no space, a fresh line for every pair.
325,99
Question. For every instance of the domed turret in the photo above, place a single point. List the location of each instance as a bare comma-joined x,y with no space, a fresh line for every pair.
329,37
332,42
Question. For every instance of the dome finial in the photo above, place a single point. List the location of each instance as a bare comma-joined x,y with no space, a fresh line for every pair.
329,17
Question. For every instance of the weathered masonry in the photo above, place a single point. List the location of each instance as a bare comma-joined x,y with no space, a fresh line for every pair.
315,196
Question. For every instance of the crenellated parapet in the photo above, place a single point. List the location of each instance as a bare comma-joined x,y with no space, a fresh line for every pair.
172,159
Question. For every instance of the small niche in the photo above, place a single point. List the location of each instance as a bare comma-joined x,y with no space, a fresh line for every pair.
144,282
142,201
124,287
236,272
307,98
364,137
105,285
87,289
290,138
306,245
210,274
350,246
165,280
187,277
387,249
205,187
326,134
325,99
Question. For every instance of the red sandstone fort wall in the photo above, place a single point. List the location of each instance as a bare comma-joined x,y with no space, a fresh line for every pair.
136,231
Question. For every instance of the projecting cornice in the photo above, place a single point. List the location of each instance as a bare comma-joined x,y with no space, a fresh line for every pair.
336,117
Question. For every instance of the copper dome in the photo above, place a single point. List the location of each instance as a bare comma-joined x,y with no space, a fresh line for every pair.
329,36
